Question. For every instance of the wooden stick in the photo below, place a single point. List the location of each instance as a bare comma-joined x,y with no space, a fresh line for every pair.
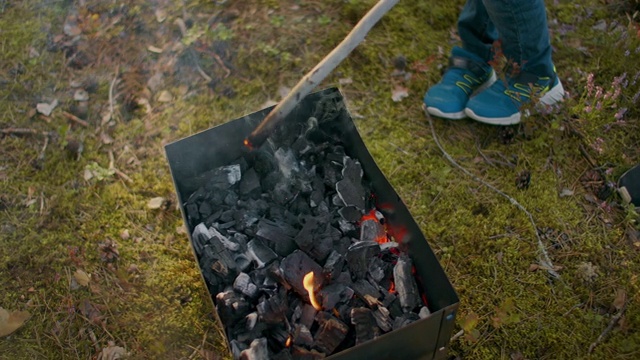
318,73
75,119
612,323
22,131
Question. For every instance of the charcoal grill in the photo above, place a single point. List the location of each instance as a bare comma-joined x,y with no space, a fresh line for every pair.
428,338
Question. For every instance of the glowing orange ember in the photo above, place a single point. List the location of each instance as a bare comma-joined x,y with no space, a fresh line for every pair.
288,343
392,288
307,282
382,237
248,144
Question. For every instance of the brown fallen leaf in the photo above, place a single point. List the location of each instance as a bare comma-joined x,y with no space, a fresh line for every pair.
620,300
12,321
82,277
155,203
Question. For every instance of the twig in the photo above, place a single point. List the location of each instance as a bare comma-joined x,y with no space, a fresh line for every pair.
612,323
319,73
197,63
75,119
457,335
221,63
112,166
544,259
113,84
23,131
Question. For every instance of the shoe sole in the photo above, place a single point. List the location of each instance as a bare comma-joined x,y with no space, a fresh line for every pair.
461,114
551,97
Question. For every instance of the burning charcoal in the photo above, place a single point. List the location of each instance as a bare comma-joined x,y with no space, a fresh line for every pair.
278,236
404,320
308,315
302,336
333,266
223,177
383,319
244,285
367,292
330,334
300,353
406,284
372,230
237,348
260,253
273,309
296,266
278,336
350,187
424,312
250,183
334,293
365,324
359,255
377,269
231,306
257,350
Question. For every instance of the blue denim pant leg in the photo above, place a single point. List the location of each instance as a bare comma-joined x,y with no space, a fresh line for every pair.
476,30
521,25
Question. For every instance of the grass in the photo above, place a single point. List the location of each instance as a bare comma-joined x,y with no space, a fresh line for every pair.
149,297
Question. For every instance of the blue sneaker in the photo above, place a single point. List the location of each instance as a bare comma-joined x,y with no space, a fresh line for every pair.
500,104
466,75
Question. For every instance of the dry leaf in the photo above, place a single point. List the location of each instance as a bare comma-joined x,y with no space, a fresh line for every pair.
620,300
124,234
46,109
105,138
399,93
165,96
12,321
154,49
82,277
155,203
112,352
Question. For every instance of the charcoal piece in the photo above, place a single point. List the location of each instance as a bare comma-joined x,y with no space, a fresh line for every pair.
300,206
223,177
240,239
231,306
392,303
283,193
333,265
263,162
287,162
383,318
216,235
300,353
350,188
301,146
251,321
359,255
342,245
335,293
377,269
404,320
237,348
344,278
272,310
322,209
200,237
308,315
313,240
336,155
269,182
296,266
227,215
330,334
302,336
405,283
367,292
197,195
231,199
227,225
346,226
245,219
278,236
350,213
389,245
331,176
250,183
205,209
336,200
275,272
192,212
364,323
244,285
372,230
424,312
257,350
278,336
260,253
213,218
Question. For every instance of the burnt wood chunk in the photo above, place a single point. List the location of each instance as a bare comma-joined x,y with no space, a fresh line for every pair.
330,334
223,177
260,253
231,306
359,255
244,285
272,310
406,284
296,266
236,348
367,292
335,293
350,213
372,230
302,336
350,188
277,235
333,265
365,324
404,320
285,354
314,240
258,350
383,318
308,315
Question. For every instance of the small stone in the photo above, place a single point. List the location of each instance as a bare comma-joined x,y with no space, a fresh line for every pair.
165,96
46,109
155,203
81,95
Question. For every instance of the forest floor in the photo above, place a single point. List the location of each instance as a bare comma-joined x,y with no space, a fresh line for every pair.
94,258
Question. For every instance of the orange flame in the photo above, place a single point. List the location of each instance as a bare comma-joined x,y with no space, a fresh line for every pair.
392,287
307,282
288,343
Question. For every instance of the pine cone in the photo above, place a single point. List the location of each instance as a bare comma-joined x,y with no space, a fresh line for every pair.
523,179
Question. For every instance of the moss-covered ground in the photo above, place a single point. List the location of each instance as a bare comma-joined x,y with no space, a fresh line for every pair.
74,199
